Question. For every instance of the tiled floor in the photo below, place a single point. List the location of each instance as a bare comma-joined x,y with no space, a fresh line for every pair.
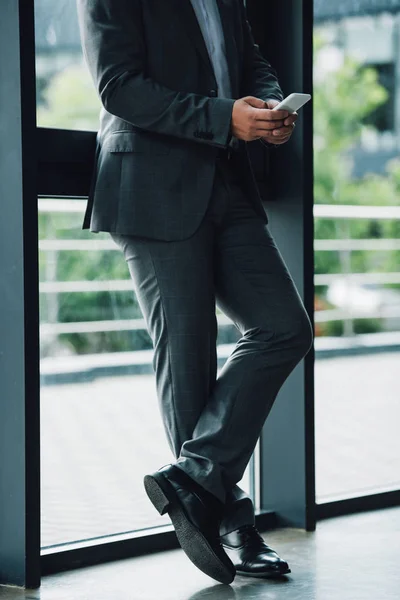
348,558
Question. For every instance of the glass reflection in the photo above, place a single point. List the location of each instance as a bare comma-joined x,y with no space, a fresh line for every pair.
98,397
99,407
65,94
357,247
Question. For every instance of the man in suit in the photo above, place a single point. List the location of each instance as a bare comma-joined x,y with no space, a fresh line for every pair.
184,88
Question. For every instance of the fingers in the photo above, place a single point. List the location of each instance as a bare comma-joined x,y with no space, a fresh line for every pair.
280,141
291,119
255,102
267,120
272,124
265,114
272,139
278,136
269,125
271,128
282,131
271,103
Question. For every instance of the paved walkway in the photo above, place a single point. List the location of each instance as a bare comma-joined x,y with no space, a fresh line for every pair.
100,438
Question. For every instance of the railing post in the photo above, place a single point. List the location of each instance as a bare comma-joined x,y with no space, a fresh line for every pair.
345,262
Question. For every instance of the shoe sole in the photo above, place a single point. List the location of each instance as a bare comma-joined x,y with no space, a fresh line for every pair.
263,575
191,540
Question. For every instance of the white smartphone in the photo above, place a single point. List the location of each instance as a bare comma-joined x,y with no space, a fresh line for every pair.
293,102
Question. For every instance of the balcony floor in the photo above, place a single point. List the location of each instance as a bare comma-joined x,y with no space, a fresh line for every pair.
348,558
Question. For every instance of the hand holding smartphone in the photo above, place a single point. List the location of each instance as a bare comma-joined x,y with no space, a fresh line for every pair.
293,102
275,128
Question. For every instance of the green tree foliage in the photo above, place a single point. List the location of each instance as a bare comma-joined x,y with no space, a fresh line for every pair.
70,101
342,101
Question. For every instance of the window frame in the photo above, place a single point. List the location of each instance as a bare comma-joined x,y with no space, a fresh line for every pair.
58,163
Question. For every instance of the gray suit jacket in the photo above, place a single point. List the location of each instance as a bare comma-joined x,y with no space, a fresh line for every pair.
161,122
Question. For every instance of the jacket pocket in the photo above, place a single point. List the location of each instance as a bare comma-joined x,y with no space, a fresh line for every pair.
133,141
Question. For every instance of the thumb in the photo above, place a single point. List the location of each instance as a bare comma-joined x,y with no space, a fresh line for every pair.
256,102
272,103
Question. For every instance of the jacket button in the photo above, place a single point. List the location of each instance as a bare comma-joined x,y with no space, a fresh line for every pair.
213,92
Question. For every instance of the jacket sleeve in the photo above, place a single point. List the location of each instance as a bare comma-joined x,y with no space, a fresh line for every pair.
114,48
259,78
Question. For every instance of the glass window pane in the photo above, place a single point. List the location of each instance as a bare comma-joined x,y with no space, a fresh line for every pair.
357,247
66,96
99,408
100,423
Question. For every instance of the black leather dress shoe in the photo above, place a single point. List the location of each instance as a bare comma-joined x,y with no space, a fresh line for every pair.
250,554
196,515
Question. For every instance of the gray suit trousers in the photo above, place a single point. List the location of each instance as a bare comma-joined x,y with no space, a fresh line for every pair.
213,423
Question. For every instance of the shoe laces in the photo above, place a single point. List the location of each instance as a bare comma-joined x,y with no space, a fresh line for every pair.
250,533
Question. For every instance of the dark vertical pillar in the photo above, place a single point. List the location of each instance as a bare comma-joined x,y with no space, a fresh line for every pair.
284,32
19,368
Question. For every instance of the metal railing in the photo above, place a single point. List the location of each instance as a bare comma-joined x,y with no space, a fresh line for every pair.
344,245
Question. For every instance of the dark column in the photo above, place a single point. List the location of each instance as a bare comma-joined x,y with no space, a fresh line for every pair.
284,32
19,376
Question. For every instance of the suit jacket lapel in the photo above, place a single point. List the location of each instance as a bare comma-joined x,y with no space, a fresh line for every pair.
191,25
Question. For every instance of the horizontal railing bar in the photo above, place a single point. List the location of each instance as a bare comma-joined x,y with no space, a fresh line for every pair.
320,316
324,316
350,211
111,285
123,285
324,279
92,326
113,325
79,245
364,244
330,245
327,211
61,205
